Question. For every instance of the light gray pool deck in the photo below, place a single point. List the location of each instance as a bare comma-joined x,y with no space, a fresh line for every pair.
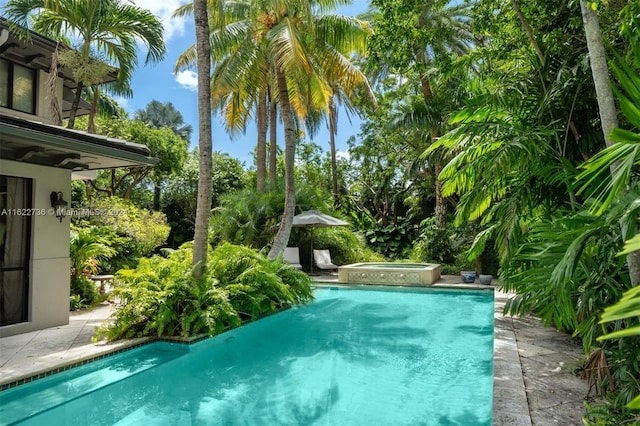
533,379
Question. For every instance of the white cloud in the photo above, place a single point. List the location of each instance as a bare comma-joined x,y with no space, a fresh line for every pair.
343,155
123,102
188,79
163,10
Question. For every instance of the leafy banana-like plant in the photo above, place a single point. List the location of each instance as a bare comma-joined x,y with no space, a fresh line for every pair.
625,155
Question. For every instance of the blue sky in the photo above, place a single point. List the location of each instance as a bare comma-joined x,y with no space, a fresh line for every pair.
160,83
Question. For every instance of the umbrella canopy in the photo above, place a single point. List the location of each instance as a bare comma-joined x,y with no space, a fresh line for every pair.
316,219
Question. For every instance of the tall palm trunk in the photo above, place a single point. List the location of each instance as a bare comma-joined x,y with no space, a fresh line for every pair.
261,154
156,196
273,142
606,104
290,140
333,130
441,206
203,209
94,109
74,106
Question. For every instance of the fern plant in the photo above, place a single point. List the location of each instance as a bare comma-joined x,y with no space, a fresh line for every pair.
161,297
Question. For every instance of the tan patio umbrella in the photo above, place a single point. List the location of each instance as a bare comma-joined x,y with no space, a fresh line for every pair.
315,219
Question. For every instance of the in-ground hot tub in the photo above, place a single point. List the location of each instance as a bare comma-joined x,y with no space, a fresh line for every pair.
390,273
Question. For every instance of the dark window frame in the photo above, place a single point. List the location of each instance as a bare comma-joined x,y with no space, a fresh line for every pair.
10,82
26,261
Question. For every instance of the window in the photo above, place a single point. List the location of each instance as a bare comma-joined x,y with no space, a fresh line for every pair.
17,87
4,84
15,245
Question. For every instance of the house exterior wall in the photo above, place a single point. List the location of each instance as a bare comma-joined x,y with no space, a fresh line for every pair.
49,260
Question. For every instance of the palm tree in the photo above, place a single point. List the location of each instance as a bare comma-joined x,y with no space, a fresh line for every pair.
606,103
273,141
87,249
304,48
163,114
203,209
109,28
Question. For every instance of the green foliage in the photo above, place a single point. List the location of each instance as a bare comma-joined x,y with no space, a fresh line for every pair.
170,149
609,414
181,190
626,312
567,272
249,218
83,293
393,240
87,70
78,194
385,183
158,114
75,302
345,246
434,244
254,283
146,229
125,231
88,251
161,297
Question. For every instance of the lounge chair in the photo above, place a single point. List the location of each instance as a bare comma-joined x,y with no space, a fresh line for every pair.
323,260
292,256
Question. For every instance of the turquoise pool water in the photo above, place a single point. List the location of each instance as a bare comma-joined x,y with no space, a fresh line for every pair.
352,357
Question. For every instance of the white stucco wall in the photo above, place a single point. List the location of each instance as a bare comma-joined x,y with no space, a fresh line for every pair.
49,266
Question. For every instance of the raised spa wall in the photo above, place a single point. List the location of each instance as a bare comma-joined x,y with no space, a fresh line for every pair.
417,274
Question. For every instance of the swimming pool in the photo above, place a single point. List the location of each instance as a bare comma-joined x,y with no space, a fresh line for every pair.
352,357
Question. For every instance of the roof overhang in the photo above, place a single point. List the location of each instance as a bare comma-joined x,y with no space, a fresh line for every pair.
54,146
36,53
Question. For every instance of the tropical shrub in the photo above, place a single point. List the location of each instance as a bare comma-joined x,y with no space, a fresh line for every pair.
392,240
161,297
257,286
134,232
247,217
148,229
435,244
181,190
250,218
87,251
626,313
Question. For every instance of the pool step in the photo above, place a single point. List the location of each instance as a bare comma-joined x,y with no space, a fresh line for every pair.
24,402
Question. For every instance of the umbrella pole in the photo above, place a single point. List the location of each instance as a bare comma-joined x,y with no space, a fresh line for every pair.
312,257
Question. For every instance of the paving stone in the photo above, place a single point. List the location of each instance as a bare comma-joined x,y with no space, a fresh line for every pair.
561,415
512,407
511,419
